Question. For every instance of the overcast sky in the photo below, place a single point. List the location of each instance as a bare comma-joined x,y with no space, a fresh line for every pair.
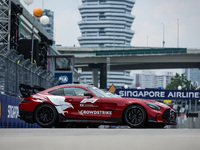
150,17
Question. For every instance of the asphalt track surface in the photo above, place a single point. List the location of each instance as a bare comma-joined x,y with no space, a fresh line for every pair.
99,139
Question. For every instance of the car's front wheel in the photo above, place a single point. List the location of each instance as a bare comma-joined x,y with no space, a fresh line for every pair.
135,116
45,115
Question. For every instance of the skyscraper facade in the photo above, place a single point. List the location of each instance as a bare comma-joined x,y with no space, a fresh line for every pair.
106,23
118,78
193,75
148,79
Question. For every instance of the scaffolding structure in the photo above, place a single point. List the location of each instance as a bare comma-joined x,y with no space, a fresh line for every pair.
14,69
5,18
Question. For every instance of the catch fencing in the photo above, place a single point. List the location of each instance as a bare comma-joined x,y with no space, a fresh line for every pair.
15,70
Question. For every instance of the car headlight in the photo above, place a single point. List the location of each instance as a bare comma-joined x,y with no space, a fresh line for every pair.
153,106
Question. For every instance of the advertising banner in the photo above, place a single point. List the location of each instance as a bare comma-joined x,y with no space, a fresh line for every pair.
65,78
9,111
159,94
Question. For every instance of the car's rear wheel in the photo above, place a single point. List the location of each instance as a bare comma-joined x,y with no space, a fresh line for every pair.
45,115
135,116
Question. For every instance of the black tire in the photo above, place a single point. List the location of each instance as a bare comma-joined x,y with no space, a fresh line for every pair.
46,115
135,116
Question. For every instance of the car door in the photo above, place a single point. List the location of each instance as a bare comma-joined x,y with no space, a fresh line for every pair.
109,106
83,107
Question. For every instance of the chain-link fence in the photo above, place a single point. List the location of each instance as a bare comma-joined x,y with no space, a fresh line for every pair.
15,70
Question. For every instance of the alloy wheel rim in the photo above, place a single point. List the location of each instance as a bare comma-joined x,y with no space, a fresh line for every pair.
45,115
135,116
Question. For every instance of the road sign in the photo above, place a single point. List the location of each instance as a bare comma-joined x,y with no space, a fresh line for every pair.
112,89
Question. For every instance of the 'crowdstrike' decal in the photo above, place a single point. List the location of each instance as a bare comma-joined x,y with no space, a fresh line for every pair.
61,104
90,100
95,112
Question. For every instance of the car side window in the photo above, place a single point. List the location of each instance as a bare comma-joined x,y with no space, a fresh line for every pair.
57,92
74,91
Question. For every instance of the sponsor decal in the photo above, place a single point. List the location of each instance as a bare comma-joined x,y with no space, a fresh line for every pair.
60,103
13,111
89,100
159,94
87,105
94,112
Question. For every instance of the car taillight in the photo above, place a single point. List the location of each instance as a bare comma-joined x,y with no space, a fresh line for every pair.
25,100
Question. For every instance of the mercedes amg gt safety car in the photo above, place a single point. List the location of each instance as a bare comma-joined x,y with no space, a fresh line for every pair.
80,105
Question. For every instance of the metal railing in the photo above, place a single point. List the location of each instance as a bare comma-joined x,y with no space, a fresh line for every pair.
15,70
155,51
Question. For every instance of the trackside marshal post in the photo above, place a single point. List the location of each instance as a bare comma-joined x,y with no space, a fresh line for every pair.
159,94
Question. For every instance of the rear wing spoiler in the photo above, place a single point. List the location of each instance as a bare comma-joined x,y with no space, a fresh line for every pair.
27,90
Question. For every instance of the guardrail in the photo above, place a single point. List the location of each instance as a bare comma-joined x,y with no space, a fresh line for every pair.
9,110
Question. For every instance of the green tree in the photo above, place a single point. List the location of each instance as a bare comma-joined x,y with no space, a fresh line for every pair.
180,80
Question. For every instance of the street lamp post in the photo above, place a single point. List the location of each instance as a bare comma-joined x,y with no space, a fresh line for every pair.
180,88
37,12
177,32
163,35
32,42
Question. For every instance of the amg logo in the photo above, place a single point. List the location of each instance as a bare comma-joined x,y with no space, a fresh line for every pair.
89,100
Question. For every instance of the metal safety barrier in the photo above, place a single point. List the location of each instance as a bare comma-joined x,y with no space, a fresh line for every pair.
15,70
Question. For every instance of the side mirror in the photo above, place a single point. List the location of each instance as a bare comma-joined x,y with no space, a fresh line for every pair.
88,94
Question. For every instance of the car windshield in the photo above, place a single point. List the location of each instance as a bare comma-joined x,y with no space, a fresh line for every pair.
98,92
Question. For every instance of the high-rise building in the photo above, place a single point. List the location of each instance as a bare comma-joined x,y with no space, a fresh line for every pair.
118,78
164,79
148,79
106,23
193,75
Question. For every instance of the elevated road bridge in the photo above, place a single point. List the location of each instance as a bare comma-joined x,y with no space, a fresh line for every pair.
131,58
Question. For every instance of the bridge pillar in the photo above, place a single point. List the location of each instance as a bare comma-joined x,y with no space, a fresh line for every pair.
95,76
103,76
